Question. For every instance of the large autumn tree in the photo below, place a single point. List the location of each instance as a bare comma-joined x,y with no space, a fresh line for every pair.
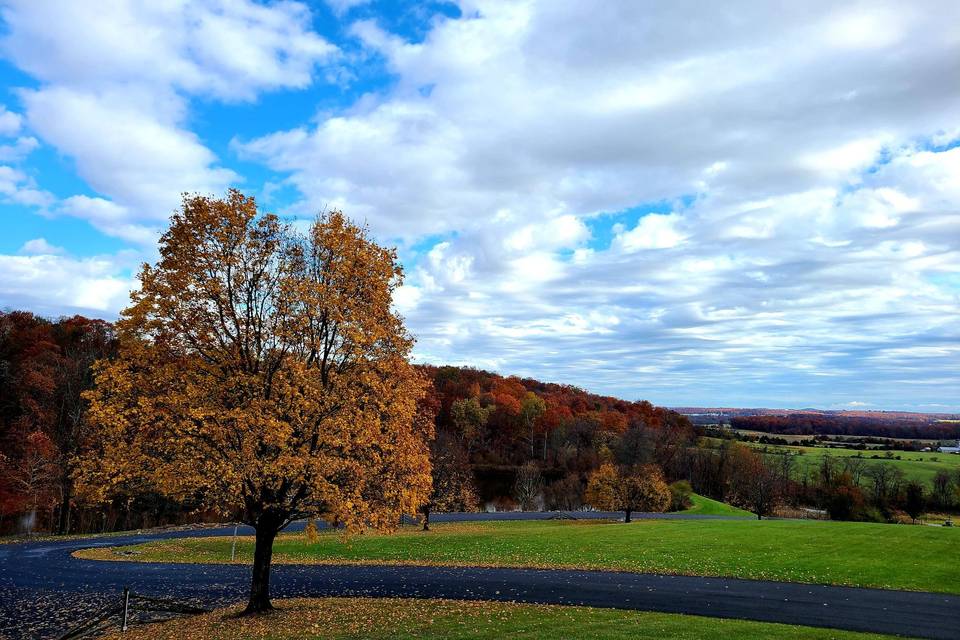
263,372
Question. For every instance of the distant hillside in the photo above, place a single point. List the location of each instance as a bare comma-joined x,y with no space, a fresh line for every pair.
496,423
890,424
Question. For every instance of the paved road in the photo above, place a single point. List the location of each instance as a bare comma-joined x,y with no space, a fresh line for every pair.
43,589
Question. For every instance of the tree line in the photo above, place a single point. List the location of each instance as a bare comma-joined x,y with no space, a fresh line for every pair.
499,442
487,427
840,487
828,424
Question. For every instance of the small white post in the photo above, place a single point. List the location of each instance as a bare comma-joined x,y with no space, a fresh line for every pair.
126,607
233,549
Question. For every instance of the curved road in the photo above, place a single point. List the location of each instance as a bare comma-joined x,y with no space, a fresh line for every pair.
43,590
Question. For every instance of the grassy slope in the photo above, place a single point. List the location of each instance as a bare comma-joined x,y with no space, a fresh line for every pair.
707,507
849,553
346,618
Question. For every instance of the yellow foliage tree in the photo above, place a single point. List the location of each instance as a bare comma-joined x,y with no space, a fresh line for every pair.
601,491
264,372
628,489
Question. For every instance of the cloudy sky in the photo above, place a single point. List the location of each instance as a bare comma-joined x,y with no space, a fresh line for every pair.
739,204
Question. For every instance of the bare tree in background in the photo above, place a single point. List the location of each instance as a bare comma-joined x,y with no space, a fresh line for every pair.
943,490
855,466
881,476
783,470
528,488
752,485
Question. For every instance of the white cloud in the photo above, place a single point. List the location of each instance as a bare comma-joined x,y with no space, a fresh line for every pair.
405,298
855,155
654,231
861,27
112,219
126,151
447,266
557,233
226,49
10,122
817,223
20,149
40,246
17,187
115,86
57,284
513,119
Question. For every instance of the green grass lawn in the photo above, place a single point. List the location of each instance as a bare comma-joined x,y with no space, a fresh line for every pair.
389,618
707,507
847,553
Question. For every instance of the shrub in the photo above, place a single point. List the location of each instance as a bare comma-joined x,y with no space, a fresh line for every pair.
915,500
899,517
504,503
845,502
311,533
680,492
871,514
565,494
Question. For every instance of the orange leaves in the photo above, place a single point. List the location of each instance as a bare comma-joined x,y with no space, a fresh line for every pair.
508,394
601,492
644,489
31,474
613,421
635,488
264,371
555,415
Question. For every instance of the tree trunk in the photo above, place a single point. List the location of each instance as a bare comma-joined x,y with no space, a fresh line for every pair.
125,526
63,513
628,512
262,555
426,519
759,517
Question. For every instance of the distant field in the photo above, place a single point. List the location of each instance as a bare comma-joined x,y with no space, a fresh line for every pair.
915,465
389,618
847,553
786,436
800,439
